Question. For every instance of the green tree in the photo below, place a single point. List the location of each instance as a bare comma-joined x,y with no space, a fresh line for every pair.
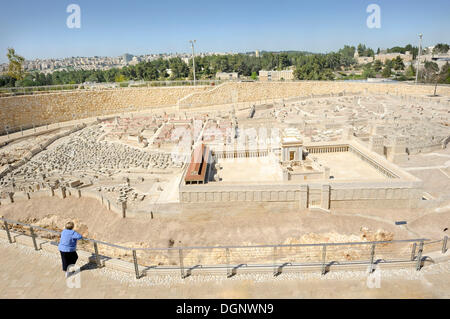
398,63
445,74
377,65
283,61
410,71
386,72
431,69
365,51
15,66
441,48
369,52
389,63
92,78
368,72
361,49
347,51
179,69
120,78
313,68
7,81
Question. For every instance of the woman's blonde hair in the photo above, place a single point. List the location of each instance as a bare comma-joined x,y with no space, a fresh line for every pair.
69,225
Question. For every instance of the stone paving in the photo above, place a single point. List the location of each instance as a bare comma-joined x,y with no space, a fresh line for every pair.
25,273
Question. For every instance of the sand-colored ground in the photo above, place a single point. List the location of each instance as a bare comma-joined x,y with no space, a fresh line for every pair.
346,165
235,225
252,169
433,170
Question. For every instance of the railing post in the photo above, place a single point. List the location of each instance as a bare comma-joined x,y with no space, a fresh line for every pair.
124,209
227,255
419,257
444,245
7,232
372,256
275,270
413,251
180,254
324,257
97,256
136,267
33,236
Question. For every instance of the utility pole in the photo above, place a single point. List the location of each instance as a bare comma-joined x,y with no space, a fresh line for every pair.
193,57
418,56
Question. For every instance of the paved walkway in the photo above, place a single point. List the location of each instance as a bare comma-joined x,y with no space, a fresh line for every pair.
25,273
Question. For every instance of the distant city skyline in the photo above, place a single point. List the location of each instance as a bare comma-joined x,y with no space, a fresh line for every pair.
112,28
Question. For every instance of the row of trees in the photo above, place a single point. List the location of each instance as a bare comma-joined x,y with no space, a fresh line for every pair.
441,48
308,66
429,74
176,69
364,51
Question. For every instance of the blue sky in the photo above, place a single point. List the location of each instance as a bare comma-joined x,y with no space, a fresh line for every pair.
37,29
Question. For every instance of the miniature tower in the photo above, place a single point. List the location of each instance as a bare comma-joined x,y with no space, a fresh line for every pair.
376,144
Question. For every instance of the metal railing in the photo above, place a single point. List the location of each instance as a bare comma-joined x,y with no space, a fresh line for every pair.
253,257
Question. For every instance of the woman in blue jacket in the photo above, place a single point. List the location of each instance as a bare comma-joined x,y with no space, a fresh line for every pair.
68,246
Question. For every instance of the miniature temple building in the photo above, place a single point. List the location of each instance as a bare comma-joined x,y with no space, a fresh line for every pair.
292,146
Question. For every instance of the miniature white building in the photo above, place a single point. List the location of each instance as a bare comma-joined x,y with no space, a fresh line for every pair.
292,146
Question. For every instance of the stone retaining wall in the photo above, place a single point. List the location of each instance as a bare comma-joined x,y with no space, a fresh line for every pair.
44,109
233,92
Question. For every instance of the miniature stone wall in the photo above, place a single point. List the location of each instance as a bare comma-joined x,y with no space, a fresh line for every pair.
29,110
325,196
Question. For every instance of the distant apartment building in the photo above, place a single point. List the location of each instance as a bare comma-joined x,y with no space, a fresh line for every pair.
227,75
286,75
127,58
135,60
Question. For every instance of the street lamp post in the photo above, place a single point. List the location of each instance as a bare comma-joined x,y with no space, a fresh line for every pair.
193,57
418,56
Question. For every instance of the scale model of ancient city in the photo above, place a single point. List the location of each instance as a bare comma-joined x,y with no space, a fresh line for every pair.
251,173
